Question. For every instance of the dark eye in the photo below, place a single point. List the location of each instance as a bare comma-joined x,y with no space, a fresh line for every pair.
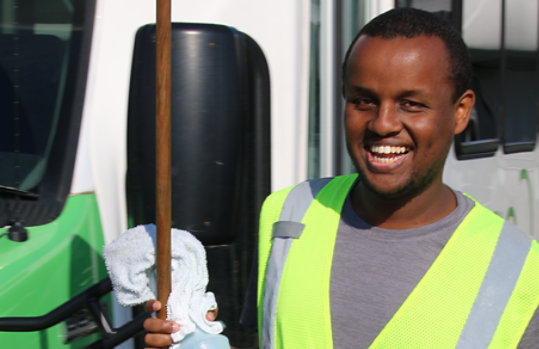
364,103
412,106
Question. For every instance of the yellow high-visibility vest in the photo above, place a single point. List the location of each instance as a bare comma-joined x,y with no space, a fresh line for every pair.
480,292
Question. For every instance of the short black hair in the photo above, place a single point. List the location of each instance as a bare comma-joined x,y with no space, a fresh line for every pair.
410,23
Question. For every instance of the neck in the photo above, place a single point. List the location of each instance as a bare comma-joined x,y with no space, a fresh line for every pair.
429,206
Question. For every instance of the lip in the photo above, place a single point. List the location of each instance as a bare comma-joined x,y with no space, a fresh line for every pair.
380,163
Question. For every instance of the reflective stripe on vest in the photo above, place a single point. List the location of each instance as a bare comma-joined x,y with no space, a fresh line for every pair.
309,250
288,227
500,274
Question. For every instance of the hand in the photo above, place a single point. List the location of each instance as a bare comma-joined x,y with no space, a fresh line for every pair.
159,331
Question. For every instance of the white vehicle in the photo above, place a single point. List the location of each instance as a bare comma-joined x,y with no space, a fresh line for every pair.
256,107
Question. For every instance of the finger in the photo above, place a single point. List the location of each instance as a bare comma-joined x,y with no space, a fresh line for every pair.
211,315
157,340
152,306
160,326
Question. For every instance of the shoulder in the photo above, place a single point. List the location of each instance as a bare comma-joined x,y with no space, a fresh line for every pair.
481,210
513,242
281,194
308,189
483,213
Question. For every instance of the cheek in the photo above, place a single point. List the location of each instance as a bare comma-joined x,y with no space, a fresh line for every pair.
353,124
436,138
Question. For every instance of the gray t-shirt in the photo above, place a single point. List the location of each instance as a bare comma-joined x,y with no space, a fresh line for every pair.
374,270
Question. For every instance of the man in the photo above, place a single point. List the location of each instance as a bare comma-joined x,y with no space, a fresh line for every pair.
392,257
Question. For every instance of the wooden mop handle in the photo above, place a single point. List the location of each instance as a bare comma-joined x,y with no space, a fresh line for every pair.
162,137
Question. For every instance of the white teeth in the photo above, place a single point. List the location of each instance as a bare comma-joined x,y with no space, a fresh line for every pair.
387,160
397,153
388,149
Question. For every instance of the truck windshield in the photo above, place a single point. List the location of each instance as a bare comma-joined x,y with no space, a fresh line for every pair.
41,59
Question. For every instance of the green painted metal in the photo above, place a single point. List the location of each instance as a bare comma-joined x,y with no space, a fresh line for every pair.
59,260
524,176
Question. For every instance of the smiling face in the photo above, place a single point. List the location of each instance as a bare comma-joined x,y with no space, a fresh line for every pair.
400,116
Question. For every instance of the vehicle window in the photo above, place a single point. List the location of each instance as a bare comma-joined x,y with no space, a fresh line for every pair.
40,100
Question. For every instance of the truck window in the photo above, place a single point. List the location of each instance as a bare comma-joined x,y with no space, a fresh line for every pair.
43,60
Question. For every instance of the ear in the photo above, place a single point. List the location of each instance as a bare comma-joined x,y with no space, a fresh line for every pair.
463,109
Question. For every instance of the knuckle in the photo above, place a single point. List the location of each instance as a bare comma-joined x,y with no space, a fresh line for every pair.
157,340
147,324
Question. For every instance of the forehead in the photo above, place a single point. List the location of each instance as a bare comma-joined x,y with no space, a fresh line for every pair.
402,59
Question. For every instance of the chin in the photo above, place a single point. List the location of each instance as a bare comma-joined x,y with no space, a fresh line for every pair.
400,191
396,192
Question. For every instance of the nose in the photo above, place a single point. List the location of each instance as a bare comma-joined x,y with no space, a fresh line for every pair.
386,122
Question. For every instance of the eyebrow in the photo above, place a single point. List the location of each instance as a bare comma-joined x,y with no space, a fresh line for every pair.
402,94
361,90
409,93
